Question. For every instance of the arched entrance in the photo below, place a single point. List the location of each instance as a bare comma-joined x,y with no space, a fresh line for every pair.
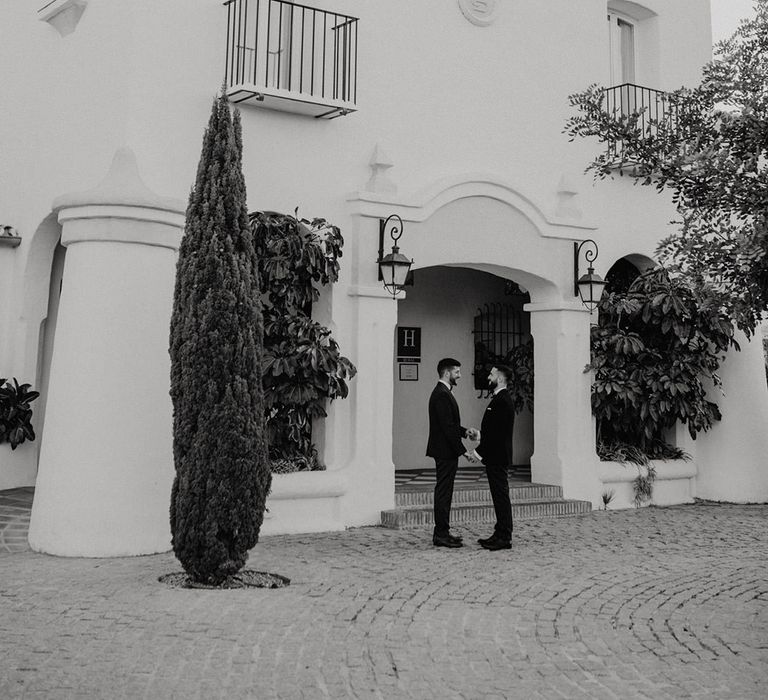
462,228
462,313
480,231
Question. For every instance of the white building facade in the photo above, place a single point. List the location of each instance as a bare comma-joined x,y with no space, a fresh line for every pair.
447,113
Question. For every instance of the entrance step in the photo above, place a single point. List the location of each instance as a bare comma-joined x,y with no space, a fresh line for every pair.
477,494
474,505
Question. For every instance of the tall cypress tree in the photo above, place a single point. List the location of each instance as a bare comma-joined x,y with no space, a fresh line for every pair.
219,443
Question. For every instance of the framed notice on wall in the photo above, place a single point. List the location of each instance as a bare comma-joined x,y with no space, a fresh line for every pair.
408,344
409,372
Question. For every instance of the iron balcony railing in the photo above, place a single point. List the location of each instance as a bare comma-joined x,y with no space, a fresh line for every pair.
653,107
291,51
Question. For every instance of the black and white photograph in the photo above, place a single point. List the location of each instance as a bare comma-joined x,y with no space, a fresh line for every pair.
384,349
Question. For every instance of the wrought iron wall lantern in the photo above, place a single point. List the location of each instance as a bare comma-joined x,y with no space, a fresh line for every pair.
394,268
589,286
9,236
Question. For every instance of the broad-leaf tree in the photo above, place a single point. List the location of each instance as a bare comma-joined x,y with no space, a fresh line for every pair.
219,442
303,365
656,351
709,148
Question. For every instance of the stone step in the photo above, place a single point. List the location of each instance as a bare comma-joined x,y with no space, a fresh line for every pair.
466,513
478,494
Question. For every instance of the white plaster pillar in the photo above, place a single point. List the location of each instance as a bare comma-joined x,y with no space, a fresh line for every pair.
731,456
563,434
106,463
371,471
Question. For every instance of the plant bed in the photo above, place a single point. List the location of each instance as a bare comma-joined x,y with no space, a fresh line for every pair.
246,578
292,465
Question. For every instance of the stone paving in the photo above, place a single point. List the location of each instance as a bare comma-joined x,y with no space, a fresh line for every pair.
655,603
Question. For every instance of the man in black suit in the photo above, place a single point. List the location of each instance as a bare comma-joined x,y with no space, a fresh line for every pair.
495,452
445,447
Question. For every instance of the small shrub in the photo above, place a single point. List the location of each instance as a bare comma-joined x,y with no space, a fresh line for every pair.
653,351
15,412
643,485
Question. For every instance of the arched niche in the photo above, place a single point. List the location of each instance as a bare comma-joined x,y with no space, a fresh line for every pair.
36,286
624,271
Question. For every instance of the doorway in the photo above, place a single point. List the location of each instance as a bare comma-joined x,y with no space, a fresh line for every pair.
475,317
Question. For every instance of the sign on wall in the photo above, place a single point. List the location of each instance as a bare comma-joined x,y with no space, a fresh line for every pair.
408,344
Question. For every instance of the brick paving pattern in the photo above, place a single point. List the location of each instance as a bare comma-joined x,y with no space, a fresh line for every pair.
655,603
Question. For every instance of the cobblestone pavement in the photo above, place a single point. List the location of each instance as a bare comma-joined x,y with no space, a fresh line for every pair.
656,603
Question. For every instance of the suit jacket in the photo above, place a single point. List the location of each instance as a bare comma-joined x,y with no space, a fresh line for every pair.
445,429
495,446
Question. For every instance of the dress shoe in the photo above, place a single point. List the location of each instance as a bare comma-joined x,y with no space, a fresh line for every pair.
495,544
455,538
486,540
449,541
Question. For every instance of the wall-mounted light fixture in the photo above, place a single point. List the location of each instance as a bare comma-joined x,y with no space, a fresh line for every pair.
9,236
589,286
394,267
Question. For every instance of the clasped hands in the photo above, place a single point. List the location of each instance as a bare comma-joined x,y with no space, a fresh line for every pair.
471,455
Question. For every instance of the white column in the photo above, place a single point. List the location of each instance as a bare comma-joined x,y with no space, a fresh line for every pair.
563,433
106,463
731,456
371,472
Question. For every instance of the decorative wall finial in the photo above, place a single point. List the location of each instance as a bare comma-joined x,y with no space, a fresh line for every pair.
63,15
567,191
380,180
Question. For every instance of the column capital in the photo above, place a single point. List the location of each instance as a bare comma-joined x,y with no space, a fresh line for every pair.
123,200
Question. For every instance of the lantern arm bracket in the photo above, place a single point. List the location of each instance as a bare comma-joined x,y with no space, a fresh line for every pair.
590,283
393,268
590,255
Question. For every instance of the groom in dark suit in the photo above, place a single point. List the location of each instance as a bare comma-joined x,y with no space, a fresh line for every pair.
495,451
445,446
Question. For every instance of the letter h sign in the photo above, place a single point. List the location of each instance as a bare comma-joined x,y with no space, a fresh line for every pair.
408,344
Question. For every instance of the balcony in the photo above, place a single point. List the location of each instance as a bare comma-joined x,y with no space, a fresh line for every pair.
653,106
290,57
658,114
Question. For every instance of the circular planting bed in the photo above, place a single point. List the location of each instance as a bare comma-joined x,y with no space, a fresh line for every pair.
243,579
